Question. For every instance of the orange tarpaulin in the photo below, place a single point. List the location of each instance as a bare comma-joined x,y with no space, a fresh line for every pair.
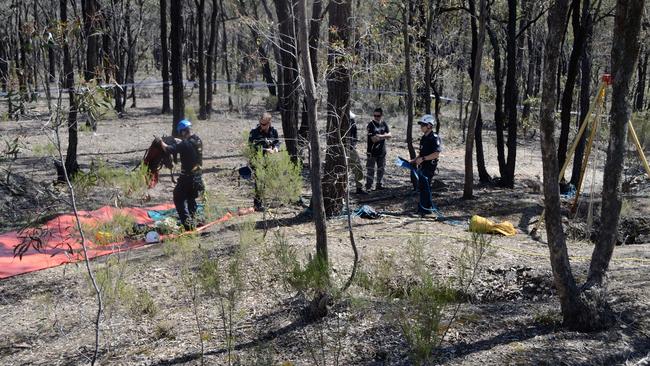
60,243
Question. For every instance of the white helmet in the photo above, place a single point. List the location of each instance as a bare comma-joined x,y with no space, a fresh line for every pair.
427,119
352,115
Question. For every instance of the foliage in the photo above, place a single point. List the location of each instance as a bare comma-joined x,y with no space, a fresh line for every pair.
224,280
93,99
421,312
278,178
113,231
116,291
130,183
420,299
44,150
242,98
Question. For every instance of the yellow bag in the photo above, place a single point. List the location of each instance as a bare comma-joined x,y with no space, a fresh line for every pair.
479,224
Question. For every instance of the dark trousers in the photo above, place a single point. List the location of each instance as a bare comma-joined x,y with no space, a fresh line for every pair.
424,186
372,161
185,194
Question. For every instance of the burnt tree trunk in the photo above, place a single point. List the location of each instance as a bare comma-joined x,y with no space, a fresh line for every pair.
90,10
498,107
224,53
483,175
176,34
511,96
210,58
164,57
579,41
477,53
585,90
642,71
625,51
426,86
71,164
200,54
338,106
289,104
408,76
4,65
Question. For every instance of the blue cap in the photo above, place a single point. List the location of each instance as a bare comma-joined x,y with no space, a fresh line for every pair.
183,124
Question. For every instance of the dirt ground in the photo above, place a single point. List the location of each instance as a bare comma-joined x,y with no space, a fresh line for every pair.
510,315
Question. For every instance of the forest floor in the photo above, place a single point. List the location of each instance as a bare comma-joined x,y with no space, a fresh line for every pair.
510,315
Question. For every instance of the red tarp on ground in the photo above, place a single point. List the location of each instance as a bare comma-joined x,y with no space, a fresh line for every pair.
58,237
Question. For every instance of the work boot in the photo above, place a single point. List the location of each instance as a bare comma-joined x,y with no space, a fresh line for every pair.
379,187
361,191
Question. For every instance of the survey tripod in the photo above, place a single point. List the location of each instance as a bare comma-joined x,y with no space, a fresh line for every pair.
593,119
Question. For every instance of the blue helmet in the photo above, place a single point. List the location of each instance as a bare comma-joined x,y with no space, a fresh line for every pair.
183,124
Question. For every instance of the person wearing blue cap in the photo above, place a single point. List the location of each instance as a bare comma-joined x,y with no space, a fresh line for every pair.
190,182
427,162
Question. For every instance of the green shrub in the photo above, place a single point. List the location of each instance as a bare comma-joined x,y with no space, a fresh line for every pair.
112,231
278,178
44,150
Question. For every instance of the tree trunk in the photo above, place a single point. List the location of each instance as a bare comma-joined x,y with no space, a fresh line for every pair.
498,107
165,57
576,313
483,175
579,41
224,52
314,39
468,188
4,64
289,104
511,96
200,54
642,71
314,35
52,59
210,57
564,280
625,51
427,63
90,13
530,80
437,92
585,91
409,83
176,34
318,205
71,164
338,106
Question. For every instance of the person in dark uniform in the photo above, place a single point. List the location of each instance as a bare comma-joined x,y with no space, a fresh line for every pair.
427,162
190,182
264,137
378,133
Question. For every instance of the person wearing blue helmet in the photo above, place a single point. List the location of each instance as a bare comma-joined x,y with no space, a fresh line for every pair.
190,182
427,162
